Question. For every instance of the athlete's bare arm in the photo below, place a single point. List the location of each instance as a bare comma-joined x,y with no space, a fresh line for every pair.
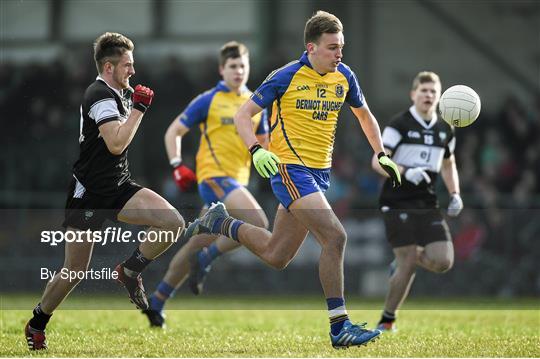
242,121
173,139
370,126
118,135
450,175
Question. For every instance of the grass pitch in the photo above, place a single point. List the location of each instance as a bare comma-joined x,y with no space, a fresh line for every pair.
257,327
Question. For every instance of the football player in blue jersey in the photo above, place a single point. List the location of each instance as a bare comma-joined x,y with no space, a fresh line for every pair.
223,166
306,97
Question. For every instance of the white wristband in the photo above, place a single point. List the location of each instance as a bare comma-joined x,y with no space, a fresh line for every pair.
175,162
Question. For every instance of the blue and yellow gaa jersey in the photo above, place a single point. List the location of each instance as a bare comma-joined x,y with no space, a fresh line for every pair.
221,150
305,110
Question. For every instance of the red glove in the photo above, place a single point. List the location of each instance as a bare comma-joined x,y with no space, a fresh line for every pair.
184,177
142,98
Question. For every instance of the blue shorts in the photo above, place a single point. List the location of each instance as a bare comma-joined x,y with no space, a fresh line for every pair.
296,181
217,188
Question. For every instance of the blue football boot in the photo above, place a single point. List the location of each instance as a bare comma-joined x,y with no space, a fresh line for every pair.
353,335
205,223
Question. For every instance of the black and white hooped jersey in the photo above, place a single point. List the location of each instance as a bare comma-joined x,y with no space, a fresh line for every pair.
97,170
416,143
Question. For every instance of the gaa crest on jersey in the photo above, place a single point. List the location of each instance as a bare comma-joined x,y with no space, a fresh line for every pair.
339,90
442,136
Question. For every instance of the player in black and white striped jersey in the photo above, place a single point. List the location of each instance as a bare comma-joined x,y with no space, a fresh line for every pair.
422,145
101,187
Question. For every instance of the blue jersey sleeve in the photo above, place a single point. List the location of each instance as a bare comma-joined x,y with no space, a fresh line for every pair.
266,93
354,97
197,110
263,124
275,84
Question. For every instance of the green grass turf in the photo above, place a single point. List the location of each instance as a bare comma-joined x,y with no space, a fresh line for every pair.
450,328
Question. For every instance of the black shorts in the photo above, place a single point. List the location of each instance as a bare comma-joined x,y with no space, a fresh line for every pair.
415,226
85,210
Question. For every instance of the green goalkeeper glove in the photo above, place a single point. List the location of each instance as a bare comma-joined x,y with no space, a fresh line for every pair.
265,161
391,168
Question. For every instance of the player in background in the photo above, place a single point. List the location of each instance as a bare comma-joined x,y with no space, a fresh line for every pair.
223,167
102,187
306,96
422,145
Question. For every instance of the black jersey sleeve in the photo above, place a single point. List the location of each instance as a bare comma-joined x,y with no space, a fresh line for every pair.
392,133
451,143
101,104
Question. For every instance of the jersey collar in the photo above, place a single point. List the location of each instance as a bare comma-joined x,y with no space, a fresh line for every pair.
120,94
304,60
221,86
421,121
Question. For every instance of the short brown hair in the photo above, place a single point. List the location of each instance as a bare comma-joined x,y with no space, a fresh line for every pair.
321,23
232,50
109,47
423,77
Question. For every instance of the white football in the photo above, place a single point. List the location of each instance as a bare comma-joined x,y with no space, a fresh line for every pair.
459,106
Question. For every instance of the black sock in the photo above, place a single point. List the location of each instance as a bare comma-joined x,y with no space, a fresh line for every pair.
136,263
387,317
40,319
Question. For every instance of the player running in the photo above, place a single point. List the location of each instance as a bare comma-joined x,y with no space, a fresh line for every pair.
306,96
101,187
422,145
223,166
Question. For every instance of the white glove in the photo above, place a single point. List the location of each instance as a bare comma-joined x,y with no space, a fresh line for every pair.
455,206
416,175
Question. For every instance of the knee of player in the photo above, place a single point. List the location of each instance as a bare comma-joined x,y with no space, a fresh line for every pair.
280,264
278,261
443,265
342,238
175,221
336,241
257,218
261,222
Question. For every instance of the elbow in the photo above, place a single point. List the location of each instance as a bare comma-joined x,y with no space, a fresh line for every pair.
171,130
116,152
167,136
238,116
115,149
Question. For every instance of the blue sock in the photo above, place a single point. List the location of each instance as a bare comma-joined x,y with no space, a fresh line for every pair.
206,257
228,227
337,314
217,225
165,291
213,251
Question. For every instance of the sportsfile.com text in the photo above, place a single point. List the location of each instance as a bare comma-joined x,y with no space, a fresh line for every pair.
109,235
